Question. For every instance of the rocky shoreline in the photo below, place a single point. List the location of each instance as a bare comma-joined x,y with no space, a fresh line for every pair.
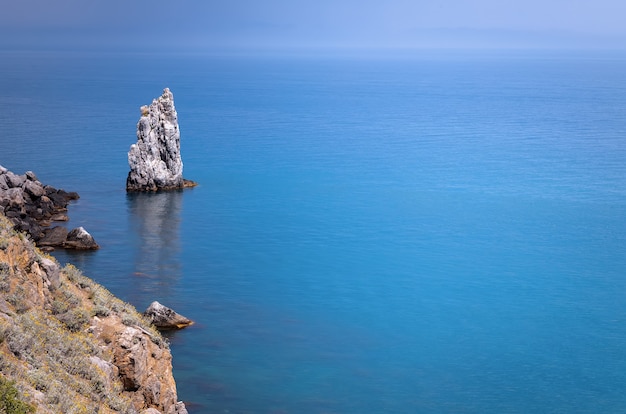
33,206
133,363
68,345
100,354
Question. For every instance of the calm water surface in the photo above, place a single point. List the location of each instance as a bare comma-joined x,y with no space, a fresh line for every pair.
433,234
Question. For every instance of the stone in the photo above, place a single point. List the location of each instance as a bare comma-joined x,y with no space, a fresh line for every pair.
55,237
30,206
80,239
154,160
4,307
14,180
30,176
3,182
180,408
34,188
111,370
14,198
165,318
57,199
144,368
52,270
59,217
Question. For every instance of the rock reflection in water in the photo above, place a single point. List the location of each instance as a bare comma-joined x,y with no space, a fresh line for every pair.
155,224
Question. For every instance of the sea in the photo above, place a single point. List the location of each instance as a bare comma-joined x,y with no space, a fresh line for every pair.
417,232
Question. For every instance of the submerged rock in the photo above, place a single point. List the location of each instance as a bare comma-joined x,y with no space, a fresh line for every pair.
165,318
155,161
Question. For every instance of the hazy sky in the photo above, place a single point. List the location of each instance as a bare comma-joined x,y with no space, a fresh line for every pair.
190,24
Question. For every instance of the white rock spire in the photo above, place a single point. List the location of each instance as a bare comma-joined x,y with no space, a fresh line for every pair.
155,161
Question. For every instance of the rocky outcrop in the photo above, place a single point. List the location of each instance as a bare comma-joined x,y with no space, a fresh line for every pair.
155,161
32,207
165,318
143,366
100,354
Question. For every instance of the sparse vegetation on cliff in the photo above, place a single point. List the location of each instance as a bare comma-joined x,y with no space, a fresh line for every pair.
9,399
66,341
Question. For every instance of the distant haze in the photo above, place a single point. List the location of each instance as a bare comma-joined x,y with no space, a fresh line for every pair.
297,24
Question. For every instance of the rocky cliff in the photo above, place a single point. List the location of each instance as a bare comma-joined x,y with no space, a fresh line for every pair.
70,345
155,161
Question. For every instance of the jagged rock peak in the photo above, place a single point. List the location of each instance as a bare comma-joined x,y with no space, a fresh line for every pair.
155,161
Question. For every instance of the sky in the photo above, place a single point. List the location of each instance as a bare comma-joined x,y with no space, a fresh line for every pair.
300,24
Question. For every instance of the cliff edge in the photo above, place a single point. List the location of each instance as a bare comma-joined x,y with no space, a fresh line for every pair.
69,346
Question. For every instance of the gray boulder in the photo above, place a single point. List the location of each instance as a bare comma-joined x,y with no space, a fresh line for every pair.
165,318
34,188
14,180
80,239
52,270
3,181
154,160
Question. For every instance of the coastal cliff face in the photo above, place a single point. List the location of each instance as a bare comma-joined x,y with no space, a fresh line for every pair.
155,161
70,346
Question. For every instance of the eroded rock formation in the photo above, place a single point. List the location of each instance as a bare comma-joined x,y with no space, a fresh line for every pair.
155,161
143,366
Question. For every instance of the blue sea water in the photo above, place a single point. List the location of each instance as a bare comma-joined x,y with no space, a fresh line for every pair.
435,233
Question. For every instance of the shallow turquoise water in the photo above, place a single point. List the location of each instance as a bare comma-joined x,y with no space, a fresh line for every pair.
439,234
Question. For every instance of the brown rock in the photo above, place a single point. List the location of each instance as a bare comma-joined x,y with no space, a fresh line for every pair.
144,367
59,217
165,318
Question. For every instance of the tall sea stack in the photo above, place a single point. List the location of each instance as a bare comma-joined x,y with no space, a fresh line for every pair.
155,161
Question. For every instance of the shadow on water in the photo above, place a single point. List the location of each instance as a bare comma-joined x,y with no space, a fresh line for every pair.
155,228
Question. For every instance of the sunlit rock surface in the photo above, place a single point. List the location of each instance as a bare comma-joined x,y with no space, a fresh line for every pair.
154,160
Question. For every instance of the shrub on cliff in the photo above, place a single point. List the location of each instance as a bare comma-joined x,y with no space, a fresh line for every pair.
44,343
9,399
69,345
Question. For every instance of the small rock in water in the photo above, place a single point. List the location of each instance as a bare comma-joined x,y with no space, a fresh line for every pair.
80,239
165,318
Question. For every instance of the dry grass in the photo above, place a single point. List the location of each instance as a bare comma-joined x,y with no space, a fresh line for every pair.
46,344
